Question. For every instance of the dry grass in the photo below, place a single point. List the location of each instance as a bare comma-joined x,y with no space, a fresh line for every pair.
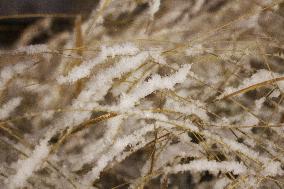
225,42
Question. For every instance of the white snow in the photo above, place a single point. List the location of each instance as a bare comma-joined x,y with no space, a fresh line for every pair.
7,108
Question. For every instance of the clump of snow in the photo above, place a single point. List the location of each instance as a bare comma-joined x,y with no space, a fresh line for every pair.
275,94
84,69
25,168
194,108
99,85
9,71
235,146
33,49
154,7
211,166
157,56
95,89
197,6
115,150
259,104
272,168
260,76
194,50
222,183
94,149
120,50
7,108
249,119
155,83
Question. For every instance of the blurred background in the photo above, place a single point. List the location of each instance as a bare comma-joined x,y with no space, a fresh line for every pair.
12,24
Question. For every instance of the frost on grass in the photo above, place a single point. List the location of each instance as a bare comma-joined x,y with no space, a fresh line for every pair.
29,50
115,150
259,77
212,166
94,89
140,108
10,71
154,7
84,70
26,168
7,108
155,83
